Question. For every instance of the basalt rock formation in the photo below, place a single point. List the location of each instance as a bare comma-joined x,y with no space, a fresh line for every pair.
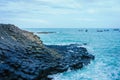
23,56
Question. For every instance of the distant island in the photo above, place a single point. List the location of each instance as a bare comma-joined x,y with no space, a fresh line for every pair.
45,32
23,56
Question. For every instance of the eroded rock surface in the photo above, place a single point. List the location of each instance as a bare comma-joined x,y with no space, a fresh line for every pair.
23,56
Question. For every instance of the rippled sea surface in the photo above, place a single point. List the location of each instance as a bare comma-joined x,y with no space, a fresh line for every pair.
104,45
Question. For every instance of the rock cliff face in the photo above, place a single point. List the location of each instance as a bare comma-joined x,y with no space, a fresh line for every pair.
23,56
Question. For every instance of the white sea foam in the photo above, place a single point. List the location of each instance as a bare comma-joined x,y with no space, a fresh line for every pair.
89,49
90,72
105,46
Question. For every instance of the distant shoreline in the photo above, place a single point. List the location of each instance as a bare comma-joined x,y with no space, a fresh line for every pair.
45,32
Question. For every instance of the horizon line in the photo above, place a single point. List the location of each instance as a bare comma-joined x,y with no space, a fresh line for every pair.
76,27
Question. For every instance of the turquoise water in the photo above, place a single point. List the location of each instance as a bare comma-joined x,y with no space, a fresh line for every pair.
104,45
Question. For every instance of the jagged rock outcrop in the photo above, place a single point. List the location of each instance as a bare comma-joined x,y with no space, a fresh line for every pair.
23,56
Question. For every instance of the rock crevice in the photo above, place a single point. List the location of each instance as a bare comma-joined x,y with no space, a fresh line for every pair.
23,56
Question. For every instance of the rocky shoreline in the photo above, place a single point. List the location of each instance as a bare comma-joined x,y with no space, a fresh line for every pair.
23,56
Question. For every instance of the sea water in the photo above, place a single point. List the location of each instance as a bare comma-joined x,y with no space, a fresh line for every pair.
105,45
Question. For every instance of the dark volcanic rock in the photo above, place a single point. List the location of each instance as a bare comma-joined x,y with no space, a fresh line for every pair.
75,56
23,56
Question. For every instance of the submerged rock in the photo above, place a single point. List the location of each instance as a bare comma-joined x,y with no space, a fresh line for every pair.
23,56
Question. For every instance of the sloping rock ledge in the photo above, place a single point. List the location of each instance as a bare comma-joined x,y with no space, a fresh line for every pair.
23,56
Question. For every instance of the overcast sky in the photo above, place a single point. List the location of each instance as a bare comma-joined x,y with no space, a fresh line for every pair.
61,13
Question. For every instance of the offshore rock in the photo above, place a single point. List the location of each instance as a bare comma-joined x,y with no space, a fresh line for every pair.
23,56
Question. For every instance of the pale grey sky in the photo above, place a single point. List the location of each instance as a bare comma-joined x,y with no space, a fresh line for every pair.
61,13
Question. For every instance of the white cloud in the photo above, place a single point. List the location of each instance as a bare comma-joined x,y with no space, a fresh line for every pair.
86,19
34,20
59,11
91,11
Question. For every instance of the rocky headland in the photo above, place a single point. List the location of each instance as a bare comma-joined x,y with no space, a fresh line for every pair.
23,56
